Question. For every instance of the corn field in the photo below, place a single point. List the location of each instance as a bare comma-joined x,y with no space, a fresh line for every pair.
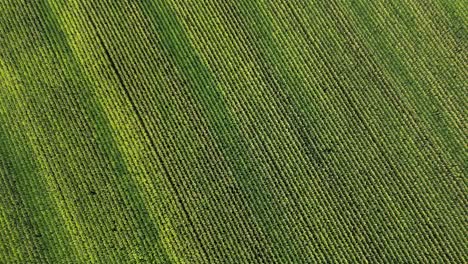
233,131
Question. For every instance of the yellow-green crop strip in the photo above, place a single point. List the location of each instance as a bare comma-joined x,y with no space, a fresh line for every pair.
233,131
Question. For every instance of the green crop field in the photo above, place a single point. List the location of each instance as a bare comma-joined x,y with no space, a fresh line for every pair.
233,131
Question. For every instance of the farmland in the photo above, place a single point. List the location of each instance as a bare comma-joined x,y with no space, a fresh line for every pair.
269,131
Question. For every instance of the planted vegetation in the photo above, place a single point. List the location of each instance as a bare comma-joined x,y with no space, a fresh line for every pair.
166,131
